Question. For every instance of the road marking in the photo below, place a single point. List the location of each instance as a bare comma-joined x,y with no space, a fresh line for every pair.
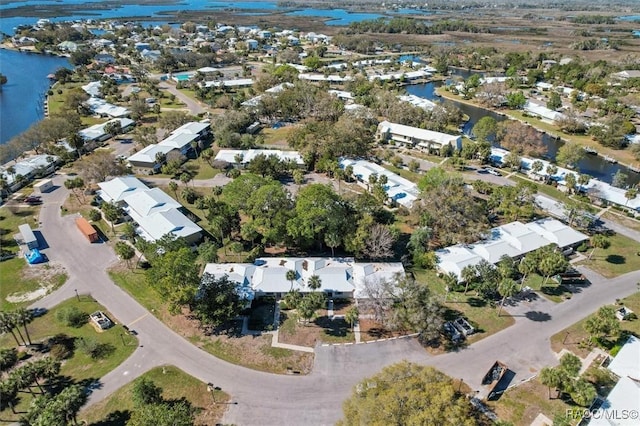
136,320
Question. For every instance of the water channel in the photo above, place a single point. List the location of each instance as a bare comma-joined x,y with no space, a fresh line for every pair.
593,165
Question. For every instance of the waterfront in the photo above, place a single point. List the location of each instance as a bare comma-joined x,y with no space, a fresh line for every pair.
22,98
593,165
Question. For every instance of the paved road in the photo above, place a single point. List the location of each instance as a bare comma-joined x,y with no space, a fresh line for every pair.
193,106
268,399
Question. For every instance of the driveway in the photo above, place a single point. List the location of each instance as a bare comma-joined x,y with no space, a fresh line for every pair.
193,106
269,399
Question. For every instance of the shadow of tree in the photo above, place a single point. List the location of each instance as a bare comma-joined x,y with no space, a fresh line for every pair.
477,302
336,327
616,259
538,316
116,418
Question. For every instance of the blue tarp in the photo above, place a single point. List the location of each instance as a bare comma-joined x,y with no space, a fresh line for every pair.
34,256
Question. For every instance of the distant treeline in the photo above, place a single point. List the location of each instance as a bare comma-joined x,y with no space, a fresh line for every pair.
412,26
593,19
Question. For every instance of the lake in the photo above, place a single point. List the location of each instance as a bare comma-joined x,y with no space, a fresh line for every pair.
593,165
22,98
90,10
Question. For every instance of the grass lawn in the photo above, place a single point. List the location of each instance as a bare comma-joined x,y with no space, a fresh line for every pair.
551,289
176,384
621,257
277,136
482,315
575,338
205,171
249,351
80,367
18,278
522,404
413,177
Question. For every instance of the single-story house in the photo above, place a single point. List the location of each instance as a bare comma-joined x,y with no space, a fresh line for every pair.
28,168
423,103
230,155
155,213
513,239
413,136
117,189
625,395
147,157
239,82
399,189
339,277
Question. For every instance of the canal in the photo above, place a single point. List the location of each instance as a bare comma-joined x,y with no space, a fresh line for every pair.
593,165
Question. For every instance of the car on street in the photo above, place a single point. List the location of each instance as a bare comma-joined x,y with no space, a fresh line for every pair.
493,171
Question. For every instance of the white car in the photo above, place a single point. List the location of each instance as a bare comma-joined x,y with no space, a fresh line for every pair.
493,171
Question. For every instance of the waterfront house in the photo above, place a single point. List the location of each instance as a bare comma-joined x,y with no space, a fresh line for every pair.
415,137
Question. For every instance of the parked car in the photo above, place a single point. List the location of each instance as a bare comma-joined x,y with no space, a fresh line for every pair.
452,332
493,171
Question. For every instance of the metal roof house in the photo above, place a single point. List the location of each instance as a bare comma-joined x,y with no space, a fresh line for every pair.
513,239
339,277
413,136
115,190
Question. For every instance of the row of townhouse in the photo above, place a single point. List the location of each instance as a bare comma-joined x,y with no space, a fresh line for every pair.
177,145
155,213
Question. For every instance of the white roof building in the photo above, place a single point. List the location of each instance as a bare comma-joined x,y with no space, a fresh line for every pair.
240,82
399,189
28,166
418,101
413,136
337,275
229,155
148,202
625,395
115,190
543,112
171,221
513,239
147,155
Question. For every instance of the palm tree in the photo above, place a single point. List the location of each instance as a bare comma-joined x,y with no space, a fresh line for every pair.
8,393
173,187
631,194
551,378
599,241
24,317
527,265
551,170
348,173
23,378
584,179
351,316
468,275
332,239
450,281
291,276
314,282
507,288
46,369
8,325
537,166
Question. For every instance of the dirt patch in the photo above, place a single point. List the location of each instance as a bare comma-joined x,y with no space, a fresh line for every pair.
47,275
372,330
250,351
321,329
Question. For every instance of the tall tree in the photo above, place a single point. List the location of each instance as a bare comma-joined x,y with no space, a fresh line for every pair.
404,394
216,301
125,252
24,317
146,392
603,323
599,241
314,282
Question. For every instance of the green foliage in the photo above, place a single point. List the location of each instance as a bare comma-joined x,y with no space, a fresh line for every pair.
175,413
404,394
309,304
93,348
94,215
175,275
72,317
416,309
8,358
146,392
59,410
216,301
485,129
603,323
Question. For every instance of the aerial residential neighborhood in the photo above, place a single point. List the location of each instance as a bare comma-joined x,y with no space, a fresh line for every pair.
277,213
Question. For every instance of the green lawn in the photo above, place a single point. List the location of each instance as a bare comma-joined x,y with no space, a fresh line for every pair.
575,338
413,177
205,171
135,283
13,271
176,384
621,257
80,367
549,289
277,136
482,315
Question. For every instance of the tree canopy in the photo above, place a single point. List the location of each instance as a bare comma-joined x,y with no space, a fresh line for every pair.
407,394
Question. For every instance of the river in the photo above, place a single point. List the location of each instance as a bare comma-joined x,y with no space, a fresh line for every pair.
22,98
593,165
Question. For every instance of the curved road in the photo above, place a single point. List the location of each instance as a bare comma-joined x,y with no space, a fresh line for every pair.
269,399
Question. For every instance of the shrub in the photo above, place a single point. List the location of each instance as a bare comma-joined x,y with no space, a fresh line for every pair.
95,215
60,351
72,317
95,349
8,358
583,247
